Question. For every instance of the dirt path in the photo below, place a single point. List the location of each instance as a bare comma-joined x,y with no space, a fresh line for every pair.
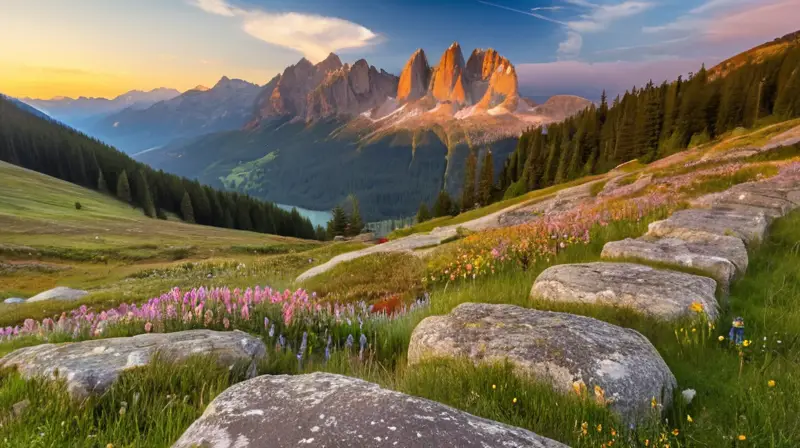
514,215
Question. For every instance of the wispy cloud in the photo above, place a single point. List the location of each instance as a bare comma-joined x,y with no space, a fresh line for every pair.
312,35
593,18
599,17
520,11
571,47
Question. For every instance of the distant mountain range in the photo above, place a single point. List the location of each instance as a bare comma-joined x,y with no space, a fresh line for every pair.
319,132
83,112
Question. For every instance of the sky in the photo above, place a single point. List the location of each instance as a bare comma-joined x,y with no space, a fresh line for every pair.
105,48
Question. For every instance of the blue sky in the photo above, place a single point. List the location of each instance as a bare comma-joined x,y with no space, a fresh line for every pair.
100,47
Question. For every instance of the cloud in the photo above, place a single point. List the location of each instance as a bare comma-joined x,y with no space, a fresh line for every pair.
590,79
600,17
219,7
527,13
547,8
571,47
312,35
715,4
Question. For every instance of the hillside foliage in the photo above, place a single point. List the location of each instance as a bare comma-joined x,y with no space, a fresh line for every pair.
47,147
655,121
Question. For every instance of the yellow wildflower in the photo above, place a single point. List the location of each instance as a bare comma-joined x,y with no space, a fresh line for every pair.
675,432
494,386
584,428
742,437
721,338
599,428
653,403
689,418
514,400
771,383
746,342
697,307
646,442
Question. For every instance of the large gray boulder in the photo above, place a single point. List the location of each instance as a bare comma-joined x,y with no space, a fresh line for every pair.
566,350
91,367
721,257
660,293
775,197
327,410
699,224
59,293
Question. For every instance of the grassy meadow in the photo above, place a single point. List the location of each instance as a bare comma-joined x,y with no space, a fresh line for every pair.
745,396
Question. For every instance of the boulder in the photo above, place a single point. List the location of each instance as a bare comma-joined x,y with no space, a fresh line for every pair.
700,224
91,367
662,294
566,350
364,237
14,300
327,410
59,293
721,257
769,197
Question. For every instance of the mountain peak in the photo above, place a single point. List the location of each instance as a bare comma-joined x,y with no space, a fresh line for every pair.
414,78
200,88
447,82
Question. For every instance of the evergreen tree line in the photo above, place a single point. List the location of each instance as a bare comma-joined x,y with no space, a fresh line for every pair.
343,223
48,147
477,190
655,121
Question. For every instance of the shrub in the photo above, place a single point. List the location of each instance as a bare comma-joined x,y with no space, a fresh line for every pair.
78,205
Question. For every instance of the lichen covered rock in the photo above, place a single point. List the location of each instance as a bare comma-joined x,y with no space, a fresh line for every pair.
91,367
327,410
570,352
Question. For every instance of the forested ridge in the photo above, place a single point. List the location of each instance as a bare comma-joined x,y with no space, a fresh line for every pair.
655,121
48,147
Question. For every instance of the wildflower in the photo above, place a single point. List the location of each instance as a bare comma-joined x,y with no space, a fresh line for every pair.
514,400
110,445
653,403
613,432
226,323
494,386
742,437
584,428
328,349
271,331
675,432
266,323
746,342
646,442
689,418
721,338
771,383
697,307
600,428
148,327
363,341
348,344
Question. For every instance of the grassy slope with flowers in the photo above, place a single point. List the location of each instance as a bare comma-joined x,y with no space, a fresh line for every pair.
741,393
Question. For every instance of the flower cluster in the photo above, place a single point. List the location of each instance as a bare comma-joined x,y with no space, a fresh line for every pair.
215,308
487,252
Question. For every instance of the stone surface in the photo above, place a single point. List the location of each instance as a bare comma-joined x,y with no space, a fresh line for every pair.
699,224
91,367
414,78
722,257
447,80
660,293
561,348
59,293
775,197
12,300
327,410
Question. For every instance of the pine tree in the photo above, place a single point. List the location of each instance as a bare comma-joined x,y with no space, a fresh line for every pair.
468,188
443,206
101,183
124,188
143,196
355,223
187,212
337,226
423,214
487,179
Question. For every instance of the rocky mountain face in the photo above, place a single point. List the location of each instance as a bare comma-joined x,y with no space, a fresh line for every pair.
486,80
81,112
326,89
226,106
